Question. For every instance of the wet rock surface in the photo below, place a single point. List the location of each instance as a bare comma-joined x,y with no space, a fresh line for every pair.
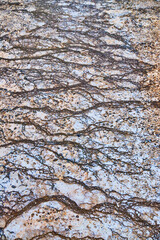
79,120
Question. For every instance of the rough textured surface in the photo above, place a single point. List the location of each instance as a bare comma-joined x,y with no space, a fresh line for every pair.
79,120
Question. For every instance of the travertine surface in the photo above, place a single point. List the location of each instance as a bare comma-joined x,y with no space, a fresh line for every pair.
79,120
